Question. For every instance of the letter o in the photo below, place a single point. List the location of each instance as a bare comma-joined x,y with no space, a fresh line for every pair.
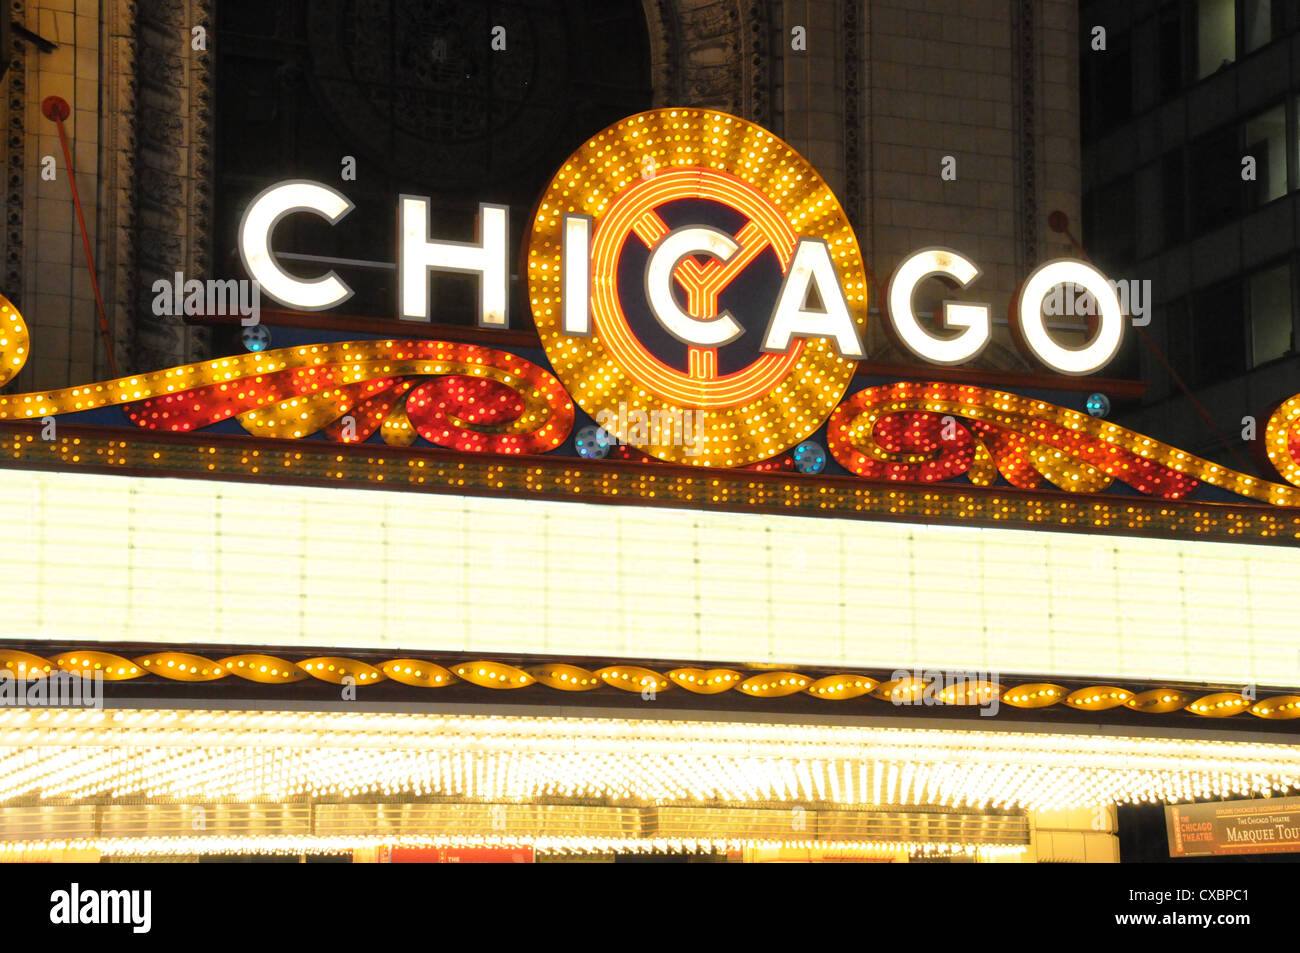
1031,329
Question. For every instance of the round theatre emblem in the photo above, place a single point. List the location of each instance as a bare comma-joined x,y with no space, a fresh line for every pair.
697,287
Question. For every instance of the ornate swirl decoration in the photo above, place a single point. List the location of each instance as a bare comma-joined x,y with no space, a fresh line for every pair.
460,396
926,432
1282,440
481,400
14,341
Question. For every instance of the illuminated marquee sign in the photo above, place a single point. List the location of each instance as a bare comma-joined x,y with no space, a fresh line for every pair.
688,266
1256,826
685,261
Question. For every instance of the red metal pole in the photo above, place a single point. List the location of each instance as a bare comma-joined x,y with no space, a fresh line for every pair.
56,109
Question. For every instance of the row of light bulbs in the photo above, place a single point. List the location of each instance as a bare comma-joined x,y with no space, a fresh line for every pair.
79,755
562,846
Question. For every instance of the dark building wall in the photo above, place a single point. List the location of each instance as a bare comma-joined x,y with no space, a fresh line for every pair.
1180,96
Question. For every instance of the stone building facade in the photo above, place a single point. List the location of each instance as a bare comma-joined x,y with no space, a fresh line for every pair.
874,93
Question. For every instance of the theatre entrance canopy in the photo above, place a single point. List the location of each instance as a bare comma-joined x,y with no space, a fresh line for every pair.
654,569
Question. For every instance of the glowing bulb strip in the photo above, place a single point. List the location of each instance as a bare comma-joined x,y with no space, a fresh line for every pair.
90,448
272,845
483,400
185,666
373,413
267,756
292,392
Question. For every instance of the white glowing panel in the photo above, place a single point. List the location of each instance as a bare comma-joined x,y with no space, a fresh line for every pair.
576,290
118,558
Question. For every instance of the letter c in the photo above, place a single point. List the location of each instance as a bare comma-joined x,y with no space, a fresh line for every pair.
668,254
260,219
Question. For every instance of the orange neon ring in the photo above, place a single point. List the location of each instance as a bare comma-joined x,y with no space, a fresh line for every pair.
766,371
612,180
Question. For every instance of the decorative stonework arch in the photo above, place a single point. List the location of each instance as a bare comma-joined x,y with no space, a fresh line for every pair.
172,181
665,51
715,53
13,112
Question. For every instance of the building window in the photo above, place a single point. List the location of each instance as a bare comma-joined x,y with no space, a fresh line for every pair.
1216,33
1262,21
1295,140
1215,178
1216,36
1161,218
1110,223
1106,84
1271,324
1174,318
1265,142
1173,62
1174,209
1220,333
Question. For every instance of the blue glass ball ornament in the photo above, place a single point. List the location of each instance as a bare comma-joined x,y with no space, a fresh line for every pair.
593,442
1098,405
256,337
810,457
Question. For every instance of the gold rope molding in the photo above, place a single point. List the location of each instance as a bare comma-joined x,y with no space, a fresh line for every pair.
561,676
